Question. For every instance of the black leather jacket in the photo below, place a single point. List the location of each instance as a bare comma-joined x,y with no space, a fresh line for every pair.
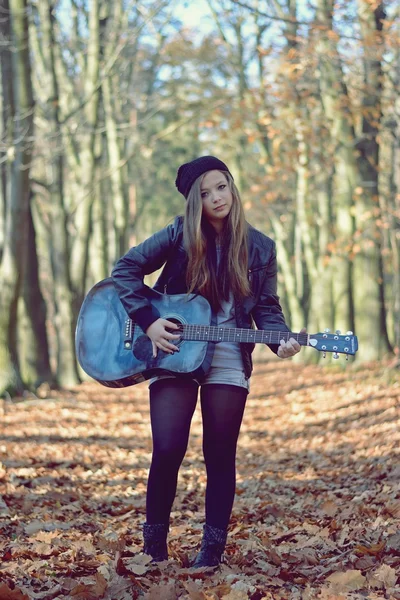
166,248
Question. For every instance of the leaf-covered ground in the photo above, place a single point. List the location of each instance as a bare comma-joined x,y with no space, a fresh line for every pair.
316,515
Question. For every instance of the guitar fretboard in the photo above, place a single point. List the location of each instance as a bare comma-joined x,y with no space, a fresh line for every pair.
232,334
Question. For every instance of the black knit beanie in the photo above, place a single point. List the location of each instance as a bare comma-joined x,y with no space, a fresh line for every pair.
189,172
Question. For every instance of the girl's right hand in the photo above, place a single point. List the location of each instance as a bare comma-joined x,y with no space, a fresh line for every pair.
159,335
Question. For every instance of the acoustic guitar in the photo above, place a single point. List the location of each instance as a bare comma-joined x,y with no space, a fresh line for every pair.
114,350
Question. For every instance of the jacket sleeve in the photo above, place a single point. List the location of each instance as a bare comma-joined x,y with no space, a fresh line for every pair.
267,313
130,270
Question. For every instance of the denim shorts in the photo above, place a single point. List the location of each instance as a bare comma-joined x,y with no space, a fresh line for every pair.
216,375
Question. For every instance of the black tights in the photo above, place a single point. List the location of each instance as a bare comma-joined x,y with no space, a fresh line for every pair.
172,404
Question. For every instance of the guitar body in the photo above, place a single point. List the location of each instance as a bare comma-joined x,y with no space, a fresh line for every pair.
116,352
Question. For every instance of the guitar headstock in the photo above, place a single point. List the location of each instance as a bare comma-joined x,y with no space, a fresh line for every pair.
334,342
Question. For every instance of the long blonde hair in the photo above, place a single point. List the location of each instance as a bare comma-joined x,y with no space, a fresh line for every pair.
199,237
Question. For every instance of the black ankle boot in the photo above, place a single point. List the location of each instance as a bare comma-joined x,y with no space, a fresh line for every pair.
212,547
155,541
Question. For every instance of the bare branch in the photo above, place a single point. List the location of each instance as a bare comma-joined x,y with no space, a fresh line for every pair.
111,63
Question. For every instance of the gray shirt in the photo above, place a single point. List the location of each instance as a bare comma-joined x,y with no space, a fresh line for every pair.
227,354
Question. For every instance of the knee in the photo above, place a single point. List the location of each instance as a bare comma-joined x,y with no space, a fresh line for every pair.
219,455
168,457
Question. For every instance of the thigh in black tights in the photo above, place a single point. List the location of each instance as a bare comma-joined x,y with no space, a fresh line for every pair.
172,404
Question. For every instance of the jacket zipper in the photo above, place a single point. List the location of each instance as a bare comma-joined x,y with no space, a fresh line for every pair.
257,269
251,271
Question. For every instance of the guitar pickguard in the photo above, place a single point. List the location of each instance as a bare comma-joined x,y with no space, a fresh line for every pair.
143,350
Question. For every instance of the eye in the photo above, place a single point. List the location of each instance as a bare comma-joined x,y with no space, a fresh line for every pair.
222,186
203,194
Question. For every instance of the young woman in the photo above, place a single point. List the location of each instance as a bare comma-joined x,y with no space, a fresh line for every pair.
212,251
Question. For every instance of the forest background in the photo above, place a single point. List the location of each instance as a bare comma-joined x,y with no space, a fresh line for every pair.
100,102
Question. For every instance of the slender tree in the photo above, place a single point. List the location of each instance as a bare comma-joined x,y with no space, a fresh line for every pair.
369,293
55,157
18,118
33,343
84,200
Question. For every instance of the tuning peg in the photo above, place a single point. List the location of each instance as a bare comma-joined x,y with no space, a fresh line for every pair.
336,355
349,333
324,355
327,330
347,357
338,332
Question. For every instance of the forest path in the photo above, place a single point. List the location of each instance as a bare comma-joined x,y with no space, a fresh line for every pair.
317,511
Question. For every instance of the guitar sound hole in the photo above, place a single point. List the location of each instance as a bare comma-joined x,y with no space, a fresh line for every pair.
177,322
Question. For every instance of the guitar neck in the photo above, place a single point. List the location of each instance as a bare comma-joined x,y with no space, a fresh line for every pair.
212,333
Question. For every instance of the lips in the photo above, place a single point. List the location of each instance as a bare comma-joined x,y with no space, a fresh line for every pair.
220,207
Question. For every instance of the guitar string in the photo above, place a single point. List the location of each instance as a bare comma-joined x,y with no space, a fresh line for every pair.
228,334
214,333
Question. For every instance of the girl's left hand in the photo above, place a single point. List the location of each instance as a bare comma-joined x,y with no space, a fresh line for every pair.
289,348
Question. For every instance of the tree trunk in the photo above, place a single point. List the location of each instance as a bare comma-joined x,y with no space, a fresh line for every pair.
296,317
322,288
20,141
118,185
369,294
99,247
395,231
33,347
80,249
7,111
64,321
335,102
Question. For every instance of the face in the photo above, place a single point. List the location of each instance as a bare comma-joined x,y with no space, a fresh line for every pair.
217,198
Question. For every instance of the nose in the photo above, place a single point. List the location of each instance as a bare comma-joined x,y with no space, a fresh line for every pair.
216,196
